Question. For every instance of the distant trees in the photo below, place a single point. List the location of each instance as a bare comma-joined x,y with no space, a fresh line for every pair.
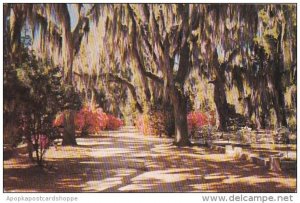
277,52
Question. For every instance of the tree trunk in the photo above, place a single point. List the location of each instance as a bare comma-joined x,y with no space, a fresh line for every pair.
178,100
69,115
172,87
255,104
265,115
221,104
219,93
69,129
220,97
143,78
278,97
280,103
68,48
134,48
30,148
180,115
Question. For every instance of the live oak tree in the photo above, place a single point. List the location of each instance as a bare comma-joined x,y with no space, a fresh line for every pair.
142,27
276,42
70,44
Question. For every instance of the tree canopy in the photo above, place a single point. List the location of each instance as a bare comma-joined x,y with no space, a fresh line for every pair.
238,60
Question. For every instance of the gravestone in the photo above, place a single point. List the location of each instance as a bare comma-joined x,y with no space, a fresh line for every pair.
275,164
229,150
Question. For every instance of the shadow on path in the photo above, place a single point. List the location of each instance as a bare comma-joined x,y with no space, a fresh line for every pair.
126,161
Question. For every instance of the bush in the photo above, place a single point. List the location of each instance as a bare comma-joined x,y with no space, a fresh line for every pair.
91,121
33,95
282,136
157,122
113,123
197,120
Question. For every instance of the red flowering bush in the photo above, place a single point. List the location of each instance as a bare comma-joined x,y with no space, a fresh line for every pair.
196,120
113,123
90,121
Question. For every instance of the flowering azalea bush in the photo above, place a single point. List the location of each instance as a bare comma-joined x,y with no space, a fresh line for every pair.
113,123
196,120
91,121
155,123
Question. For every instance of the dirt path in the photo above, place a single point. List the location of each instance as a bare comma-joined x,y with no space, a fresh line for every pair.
126,161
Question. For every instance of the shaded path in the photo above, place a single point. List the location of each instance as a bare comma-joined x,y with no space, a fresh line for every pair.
126,161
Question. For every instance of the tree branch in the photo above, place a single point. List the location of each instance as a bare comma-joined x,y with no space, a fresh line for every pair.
184,62
148,45
119,80
232,55
81,28
90,12
156,32
136,53
141,67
